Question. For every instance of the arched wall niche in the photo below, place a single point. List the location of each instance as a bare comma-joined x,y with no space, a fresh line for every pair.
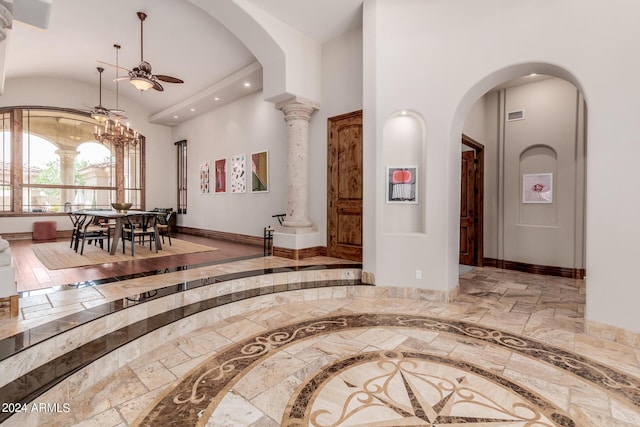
403,154
538,167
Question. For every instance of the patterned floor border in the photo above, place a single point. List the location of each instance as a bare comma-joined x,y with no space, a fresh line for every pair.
192,400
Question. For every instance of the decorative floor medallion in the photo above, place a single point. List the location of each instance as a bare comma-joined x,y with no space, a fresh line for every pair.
390,388
409,389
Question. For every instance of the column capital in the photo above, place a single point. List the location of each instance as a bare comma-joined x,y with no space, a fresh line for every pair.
297,108
6,19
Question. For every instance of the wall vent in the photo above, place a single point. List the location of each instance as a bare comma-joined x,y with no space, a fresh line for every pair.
515,115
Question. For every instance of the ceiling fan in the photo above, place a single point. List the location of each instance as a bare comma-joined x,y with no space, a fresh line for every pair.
141,76
100,113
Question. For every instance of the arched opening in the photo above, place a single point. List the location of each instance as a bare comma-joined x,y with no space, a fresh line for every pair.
533,128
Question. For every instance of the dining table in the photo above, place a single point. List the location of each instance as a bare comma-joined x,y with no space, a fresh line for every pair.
121,218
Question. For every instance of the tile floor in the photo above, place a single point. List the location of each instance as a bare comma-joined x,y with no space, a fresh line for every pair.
509,351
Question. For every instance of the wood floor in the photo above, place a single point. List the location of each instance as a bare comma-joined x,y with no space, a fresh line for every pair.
31,275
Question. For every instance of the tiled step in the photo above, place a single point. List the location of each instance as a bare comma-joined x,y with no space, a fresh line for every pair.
33,362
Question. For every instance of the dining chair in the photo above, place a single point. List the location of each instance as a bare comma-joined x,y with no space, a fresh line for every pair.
139,228
77,222
92,231
164,226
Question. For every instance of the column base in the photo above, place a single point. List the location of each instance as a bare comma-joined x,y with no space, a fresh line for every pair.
288,229
298,243
288,223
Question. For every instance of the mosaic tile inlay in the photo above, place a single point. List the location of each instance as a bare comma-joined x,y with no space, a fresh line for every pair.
408,388
193,399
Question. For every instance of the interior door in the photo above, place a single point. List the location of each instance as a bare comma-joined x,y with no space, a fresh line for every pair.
468,209
344,187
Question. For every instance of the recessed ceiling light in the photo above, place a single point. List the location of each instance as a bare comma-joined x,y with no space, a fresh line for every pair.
216,99
175,117
193,109
247,84
532,75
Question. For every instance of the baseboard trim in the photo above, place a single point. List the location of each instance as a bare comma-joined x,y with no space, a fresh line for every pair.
300,253
571,273
221,235
28,235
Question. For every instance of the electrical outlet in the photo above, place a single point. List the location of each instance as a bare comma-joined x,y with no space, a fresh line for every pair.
418,274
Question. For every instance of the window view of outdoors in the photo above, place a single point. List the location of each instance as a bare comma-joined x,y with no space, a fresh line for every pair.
91,166
63,167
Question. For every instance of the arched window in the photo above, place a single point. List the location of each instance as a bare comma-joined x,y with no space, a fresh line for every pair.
52,163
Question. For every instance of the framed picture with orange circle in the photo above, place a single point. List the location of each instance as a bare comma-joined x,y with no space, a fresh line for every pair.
402,184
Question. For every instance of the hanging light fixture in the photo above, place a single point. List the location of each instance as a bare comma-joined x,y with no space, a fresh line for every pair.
114,130
118,134
99,113
141,83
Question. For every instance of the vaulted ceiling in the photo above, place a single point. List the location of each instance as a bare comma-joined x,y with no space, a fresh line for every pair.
179,40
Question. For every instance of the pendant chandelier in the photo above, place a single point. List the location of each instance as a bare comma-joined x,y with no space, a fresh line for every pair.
117,133
113,130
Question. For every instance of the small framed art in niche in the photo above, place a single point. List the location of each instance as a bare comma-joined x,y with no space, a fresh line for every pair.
402,184
260,172
537,188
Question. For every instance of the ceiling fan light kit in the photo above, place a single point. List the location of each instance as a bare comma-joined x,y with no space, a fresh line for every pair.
99,117
141,83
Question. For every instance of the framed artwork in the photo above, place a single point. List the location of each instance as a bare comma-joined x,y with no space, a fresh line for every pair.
238,179
220,166
205,178
260,172
402,184
537,188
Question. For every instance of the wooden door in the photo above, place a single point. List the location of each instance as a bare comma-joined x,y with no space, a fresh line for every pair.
344,187
468,209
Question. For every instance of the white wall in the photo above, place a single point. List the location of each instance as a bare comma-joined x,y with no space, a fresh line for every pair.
242,127
160,158
476,123
252,124
439,57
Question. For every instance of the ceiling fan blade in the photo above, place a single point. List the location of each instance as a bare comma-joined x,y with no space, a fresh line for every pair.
114,66
157,86
167,79
119,79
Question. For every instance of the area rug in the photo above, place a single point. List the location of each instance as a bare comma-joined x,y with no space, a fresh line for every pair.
58,255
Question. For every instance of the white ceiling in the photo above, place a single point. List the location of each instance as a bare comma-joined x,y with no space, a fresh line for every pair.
179,40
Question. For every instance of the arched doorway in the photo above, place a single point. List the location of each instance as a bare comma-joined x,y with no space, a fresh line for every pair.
534,129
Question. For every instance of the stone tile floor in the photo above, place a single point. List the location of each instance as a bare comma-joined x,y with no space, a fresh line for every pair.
509,350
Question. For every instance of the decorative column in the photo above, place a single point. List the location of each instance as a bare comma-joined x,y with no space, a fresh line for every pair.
67,172
297,113
119,157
